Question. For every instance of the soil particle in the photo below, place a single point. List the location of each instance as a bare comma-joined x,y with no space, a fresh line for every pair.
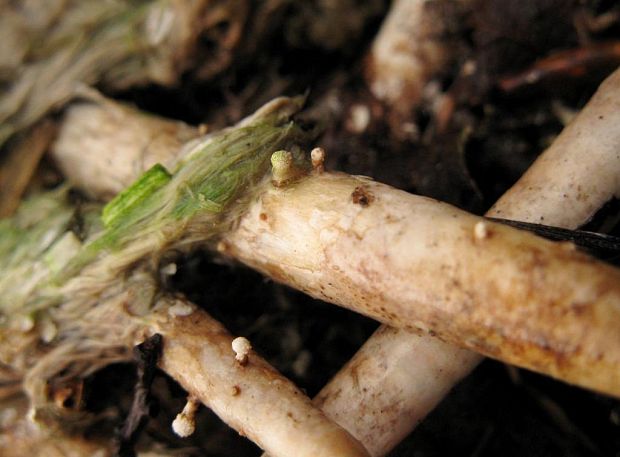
362,196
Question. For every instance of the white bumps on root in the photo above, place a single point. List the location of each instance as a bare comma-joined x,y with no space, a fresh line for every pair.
180,309
242,348
481,231
184,424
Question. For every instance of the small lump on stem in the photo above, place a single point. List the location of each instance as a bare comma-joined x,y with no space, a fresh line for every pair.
481,230
242,348
283,168
184,424
317,156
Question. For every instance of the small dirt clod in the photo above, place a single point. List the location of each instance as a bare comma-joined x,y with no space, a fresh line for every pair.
362,196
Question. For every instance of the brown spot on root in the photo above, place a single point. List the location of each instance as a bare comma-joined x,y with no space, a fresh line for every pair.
263,216
362,196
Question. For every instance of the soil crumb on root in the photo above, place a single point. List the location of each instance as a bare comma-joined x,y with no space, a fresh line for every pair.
362,196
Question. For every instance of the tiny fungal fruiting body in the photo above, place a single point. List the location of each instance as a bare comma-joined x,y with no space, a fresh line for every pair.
242,348
184,424
317,156
481,230
284,170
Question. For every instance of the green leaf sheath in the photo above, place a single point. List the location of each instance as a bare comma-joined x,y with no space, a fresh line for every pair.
131,198
208,190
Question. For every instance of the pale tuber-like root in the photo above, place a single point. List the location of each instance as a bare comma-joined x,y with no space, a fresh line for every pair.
578,173
391,384
148,141
411,48
398,352
251,397
511,295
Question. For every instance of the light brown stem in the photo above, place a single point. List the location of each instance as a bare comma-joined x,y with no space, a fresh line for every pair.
140,141
394,380
489,294
415,263
251,397
395,351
